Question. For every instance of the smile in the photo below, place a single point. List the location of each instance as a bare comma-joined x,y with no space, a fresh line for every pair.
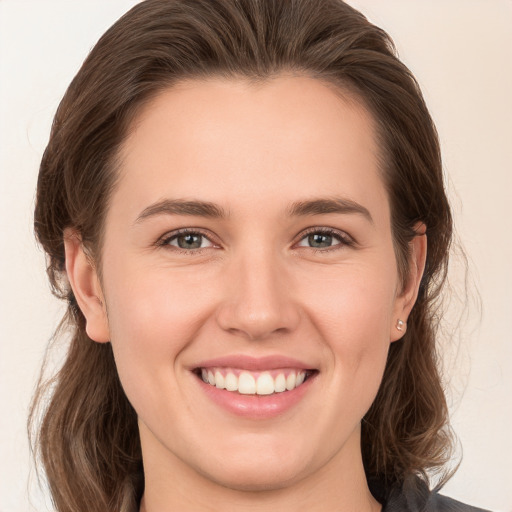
254,383
259,388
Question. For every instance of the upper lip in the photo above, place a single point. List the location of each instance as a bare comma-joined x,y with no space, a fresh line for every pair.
244,362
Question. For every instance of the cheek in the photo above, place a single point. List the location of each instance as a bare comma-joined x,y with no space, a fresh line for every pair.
152,306
153,316
355,303
354,315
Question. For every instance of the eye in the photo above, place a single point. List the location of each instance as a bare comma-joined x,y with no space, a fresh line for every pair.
187,240
324,239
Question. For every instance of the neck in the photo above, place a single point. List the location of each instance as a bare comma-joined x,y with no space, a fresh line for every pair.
339,486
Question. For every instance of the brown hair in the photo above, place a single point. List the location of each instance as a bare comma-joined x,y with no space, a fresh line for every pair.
88,439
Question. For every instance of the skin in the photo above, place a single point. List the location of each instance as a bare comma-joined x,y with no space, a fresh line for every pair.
256,287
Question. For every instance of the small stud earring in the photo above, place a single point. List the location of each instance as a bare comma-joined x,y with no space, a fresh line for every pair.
399,325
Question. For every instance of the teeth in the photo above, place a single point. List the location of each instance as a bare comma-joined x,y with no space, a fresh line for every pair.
265,384
290,381
219,380
280,383
231,382
246,383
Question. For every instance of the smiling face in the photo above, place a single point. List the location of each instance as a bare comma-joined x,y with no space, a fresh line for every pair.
248,244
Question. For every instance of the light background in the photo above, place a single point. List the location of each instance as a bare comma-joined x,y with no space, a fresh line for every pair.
461,53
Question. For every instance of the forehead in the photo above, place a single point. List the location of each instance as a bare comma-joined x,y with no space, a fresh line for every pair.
232,141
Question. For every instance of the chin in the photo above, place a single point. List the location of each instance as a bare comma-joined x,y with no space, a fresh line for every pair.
250,475
255,480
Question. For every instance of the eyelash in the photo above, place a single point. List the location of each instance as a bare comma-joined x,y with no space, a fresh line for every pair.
168,238
343,238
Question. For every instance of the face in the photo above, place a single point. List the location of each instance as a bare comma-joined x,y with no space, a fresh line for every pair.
248,245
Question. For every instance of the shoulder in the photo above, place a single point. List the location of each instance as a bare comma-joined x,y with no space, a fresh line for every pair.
439,503
413,495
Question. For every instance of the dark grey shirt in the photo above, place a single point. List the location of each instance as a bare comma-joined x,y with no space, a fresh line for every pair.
414,496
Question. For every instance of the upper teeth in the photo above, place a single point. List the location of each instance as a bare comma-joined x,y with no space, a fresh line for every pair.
248,383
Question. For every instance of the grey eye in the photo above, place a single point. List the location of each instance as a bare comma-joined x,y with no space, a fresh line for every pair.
320,240
190,241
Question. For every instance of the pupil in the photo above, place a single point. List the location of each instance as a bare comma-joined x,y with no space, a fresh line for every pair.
320,240
189,241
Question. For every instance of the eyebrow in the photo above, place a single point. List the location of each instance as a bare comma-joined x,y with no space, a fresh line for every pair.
324,206
182,207
320,206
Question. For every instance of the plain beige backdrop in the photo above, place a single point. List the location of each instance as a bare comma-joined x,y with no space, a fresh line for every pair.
461,53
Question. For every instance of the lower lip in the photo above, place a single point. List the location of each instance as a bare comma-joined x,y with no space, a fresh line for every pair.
256,406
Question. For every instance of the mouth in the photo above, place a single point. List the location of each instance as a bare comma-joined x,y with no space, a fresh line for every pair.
246,382
255,388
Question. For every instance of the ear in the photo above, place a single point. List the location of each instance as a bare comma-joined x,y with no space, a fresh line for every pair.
86,287
405,301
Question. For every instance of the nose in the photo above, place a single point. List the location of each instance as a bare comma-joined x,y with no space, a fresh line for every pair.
258,298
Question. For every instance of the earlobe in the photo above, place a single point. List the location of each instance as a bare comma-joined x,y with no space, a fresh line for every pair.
407,298
86,287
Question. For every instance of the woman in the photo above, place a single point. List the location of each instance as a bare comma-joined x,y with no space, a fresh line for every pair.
243,204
